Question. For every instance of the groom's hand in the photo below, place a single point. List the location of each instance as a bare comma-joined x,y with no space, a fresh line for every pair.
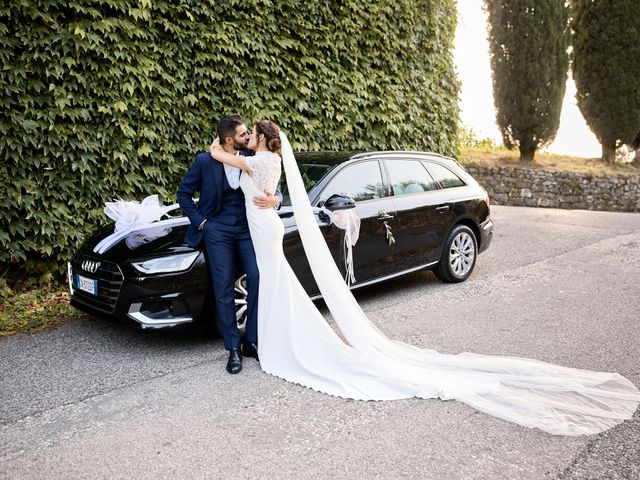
268,201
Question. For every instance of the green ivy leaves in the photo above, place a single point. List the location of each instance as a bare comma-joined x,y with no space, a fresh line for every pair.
113,99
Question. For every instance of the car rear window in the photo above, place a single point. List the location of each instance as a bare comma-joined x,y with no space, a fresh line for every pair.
444,176
409,176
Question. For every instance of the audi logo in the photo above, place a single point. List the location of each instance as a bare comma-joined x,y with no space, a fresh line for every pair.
90,266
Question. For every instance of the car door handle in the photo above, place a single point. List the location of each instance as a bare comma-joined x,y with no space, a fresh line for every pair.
442,208
384,216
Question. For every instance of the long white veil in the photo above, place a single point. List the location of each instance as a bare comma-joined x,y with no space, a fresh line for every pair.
558,400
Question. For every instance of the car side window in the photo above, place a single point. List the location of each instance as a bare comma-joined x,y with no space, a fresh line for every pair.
362,181
409,176
444,176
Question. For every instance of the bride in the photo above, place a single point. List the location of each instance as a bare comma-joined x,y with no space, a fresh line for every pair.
296,343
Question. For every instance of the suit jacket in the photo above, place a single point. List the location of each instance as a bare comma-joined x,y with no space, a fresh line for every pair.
205,175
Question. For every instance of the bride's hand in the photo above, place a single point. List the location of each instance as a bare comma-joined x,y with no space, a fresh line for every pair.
214,144
216,149
248,171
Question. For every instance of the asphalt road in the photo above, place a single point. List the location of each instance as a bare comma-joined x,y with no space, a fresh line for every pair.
96,400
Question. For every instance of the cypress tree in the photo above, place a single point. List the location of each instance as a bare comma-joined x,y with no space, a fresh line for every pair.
606,68
528,43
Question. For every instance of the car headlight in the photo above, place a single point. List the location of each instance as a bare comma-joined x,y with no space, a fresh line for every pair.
70,277
172,263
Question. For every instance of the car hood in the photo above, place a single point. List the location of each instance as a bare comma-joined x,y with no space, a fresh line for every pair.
172,242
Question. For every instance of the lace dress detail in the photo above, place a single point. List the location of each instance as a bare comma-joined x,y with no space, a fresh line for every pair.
266,170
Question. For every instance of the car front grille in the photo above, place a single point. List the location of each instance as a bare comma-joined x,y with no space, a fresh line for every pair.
109,277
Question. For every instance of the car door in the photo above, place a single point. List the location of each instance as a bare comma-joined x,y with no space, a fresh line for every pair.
373,255
364,182
423,213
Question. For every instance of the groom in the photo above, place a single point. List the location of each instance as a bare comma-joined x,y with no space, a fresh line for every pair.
219,218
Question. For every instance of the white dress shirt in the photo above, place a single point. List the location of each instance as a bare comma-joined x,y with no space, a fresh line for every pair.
233,175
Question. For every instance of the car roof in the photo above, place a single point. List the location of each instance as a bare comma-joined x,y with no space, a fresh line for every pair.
324,157
337,158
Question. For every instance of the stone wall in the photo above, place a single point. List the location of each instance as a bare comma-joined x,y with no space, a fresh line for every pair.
539,188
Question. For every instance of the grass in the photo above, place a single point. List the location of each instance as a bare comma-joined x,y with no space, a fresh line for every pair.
486,156
35,309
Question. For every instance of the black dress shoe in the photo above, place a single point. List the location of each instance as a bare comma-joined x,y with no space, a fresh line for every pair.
250,349
234,365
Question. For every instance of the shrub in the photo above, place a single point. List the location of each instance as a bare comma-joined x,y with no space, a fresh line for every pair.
107,99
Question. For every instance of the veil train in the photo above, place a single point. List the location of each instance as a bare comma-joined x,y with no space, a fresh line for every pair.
556,399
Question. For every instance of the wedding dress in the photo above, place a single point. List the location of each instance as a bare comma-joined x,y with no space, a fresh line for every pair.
297,344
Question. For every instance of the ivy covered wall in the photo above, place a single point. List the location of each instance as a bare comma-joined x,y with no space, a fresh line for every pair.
105,99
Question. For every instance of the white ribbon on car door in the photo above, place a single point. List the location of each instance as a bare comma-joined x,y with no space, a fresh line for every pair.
348,221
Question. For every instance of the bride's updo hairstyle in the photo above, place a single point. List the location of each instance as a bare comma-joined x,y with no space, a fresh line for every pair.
271,133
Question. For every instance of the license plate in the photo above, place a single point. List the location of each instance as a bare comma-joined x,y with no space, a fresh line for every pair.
88,285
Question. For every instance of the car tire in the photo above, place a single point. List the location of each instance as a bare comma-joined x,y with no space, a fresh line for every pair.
459,255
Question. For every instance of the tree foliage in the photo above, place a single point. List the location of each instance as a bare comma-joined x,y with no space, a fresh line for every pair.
528,41
606,69
105,99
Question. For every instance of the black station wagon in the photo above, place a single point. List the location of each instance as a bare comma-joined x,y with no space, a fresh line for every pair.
417,210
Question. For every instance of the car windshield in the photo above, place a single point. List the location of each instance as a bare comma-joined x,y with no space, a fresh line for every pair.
311,174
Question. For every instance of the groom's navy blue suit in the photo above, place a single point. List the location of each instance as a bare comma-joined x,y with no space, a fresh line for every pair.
226,237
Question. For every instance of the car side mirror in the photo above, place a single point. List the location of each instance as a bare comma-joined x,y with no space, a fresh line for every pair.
339,202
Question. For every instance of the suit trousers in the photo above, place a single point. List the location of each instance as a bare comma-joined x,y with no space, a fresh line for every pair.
225,245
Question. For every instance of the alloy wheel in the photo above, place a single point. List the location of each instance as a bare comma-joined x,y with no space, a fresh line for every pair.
462,254
240,298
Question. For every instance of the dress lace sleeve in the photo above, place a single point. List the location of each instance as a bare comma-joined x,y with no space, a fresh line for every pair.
266,171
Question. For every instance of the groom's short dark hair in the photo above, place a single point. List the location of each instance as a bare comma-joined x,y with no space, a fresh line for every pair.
227,126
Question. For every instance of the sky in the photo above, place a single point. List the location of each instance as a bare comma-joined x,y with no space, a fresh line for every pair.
476,105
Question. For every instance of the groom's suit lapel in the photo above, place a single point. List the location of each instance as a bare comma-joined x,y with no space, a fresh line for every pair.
218,174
